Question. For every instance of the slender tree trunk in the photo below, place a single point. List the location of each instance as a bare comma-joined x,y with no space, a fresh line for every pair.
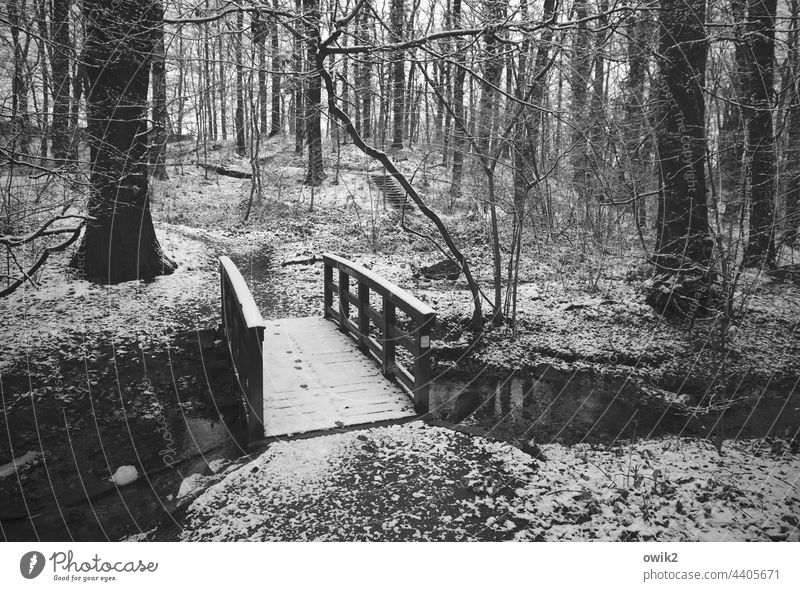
597,102
43,42
315,172
260,33
635,147
213,89
223,89
364,74
158,141
458,110
533,92
19,85
179,93
120,243
276,124
241,138
760,249
299,90
492,70
59,61
579,84
398,72
208,86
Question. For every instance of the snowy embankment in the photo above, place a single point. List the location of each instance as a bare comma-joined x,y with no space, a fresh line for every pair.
418,482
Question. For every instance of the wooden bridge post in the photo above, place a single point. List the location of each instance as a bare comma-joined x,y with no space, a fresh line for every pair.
388,351
363,316
255,383
422,367
328,295
344,302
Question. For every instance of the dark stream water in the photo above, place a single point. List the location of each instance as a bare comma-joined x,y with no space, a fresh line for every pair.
556,406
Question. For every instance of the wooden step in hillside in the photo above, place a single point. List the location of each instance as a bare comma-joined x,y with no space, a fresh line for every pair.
393,194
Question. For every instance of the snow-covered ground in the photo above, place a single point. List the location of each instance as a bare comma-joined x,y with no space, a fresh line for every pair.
418,482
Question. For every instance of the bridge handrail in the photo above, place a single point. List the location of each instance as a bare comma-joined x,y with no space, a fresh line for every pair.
416,341
244,333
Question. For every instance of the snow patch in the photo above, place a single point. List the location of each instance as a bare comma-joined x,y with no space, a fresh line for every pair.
124,475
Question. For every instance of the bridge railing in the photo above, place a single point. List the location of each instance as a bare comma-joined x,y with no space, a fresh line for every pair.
244,333
414,337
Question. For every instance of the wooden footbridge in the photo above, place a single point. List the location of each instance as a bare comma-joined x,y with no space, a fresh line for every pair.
364,361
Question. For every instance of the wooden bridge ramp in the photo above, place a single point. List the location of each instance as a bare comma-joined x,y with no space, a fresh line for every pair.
299,375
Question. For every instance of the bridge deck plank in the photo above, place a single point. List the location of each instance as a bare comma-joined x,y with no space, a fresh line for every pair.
315,378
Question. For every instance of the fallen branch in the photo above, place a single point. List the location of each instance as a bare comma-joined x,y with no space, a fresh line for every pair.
15,241
27,276
310,261
237,174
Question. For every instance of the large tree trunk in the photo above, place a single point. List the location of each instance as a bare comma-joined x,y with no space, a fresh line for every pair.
791,157
733,177
761,155
120,243
158,142
398,72
315,172
683,246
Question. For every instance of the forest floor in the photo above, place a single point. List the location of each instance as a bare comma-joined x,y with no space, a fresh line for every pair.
596,419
